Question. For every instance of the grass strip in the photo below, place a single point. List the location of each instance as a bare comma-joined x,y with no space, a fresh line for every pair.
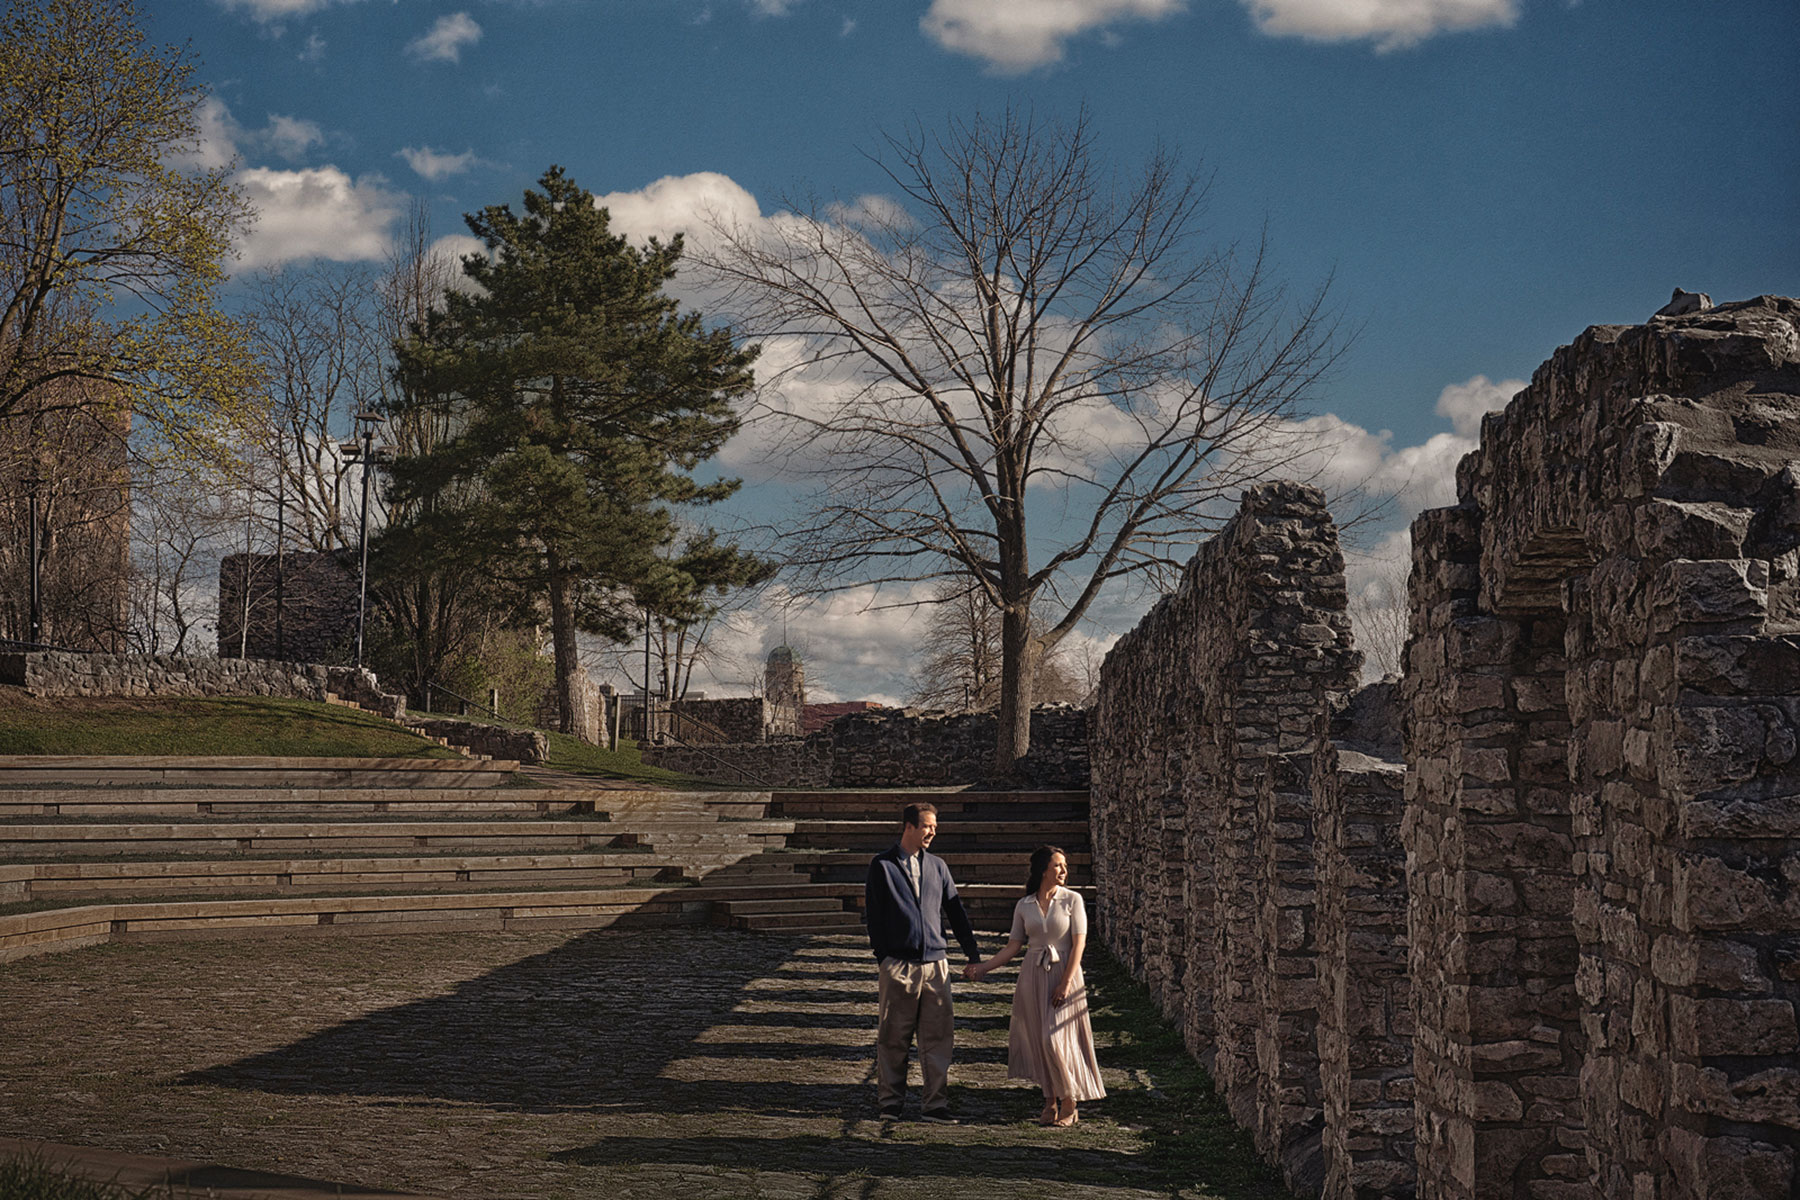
1193,1142
202,728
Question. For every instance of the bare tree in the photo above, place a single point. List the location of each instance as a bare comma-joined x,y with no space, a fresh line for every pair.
64,465
1023,375
437,609
1379,617
318,339
960,667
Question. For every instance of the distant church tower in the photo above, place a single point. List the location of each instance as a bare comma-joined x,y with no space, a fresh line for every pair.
784,686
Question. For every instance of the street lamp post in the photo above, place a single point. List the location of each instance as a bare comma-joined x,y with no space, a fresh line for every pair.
363,451
32,483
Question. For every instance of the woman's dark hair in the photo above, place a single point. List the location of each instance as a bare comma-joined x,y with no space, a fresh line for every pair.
1040,862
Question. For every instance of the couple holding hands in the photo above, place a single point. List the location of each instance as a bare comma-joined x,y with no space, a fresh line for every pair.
908,899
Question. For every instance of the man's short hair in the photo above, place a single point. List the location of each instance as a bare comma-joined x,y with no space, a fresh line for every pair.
912,812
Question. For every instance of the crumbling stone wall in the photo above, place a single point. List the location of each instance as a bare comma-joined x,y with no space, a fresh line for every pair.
1557,953
1364,1002
56,673
740,719
898,748
1604,683
1204,719
308,616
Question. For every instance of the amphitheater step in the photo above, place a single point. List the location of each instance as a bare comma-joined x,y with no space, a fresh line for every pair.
76,770
95,840
800,922
739,908
988,835
673,808
953,806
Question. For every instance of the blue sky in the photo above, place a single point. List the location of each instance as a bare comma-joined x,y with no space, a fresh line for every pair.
1483,178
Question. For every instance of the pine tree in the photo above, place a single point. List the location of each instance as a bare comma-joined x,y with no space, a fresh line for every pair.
582,400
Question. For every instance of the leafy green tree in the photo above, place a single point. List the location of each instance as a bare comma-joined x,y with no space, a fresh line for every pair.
110,243
582,401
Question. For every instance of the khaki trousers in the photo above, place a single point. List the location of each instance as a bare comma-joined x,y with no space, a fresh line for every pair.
915,1000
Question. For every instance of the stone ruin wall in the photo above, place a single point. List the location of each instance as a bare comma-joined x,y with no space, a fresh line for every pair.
896,748
738,718
1604,679
59,673
316,599
1205,720
1555,954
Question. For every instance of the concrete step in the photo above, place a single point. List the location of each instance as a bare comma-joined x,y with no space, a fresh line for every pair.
816,904
328,837
807,922
71,770
961,837
951,805
124,800
92,880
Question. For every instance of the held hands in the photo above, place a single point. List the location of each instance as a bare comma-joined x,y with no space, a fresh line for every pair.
973,972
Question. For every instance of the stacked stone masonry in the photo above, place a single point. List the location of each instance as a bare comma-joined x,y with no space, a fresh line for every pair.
56,673
1200,739
896,748
1604,680
1556,953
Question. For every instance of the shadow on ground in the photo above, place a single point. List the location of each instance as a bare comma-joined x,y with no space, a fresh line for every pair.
717,1055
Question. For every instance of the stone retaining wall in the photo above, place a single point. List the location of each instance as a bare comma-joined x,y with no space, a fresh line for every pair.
1554,954
54,673
897,748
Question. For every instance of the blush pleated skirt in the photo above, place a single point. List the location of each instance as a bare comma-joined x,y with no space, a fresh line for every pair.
1049,1044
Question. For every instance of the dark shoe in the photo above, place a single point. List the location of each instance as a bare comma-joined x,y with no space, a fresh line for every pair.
938,1116
891,1113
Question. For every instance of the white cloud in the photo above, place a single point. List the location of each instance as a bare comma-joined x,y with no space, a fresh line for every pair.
292,137
274,10
772,8
317,213
434,166
687,204
314,50
445,40
1016,35
223,139
1390,24
1466,403
218,136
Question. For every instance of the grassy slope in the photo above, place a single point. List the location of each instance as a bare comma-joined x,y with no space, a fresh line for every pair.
201,727
579,758
262,727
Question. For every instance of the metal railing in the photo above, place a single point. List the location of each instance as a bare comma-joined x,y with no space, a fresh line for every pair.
466,703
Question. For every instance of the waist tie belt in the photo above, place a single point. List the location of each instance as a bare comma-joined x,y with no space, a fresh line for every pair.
1047,956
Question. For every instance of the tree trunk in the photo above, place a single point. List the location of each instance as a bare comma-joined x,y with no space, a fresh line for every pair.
562,642
1013,721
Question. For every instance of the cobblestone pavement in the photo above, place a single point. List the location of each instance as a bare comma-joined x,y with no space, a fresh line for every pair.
693,1063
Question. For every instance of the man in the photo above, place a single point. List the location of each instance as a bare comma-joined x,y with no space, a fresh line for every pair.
908,897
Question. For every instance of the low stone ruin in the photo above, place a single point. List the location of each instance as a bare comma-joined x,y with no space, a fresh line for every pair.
895,748
1552,949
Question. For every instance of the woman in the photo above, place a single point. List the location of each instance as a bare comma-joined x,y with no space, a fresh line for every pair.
1051,1041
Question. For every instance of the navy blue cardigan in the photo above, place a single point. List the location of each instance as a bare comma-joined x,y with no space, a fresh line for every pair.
913,929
